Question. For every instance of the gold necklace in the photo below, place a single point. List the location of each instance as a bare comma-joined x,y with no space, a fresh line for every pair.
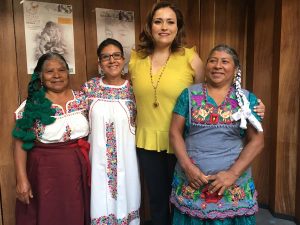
156,103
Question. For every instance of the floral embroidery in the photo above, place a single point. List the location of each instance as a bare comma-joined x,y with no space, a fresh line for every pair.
237,194
94,89
252,186
58,110
132,110
214,118
19,114
111,154
111,219
203,112
39,129
188,192
210,197
67,134
237,200
198,99
78,104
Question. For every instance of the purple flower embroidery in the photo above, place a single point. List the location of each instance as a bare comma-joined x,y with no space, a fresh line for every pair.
233,103
198,99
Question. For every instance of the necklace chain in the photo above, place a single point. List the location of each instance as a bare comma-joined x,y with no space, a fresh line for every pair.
156,103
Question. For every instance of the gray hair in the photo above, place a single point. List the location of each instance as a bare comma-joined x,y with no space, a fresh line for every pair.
238,75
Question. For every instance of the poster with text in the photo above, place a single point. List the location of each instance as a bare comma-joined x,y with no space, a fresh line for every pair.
48,28
119,25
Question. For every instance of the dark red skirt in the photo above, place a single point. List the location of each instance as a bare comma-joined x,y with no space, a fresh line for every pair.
58,177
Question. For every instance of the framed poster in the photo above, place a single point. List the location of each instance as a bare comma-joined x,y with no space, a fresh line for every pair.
48,28
119,25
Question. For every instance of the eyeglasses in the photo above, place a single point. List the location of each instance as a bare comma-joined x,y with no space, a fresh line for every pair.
115,55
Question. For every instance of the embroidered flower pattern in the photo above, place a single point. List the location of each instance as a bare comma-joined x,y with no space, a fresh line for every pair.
111,219
112,161
19,114
67,134
77,105
188,192
39,129
94,89
210,197
203,204
132,110
237,194
203,112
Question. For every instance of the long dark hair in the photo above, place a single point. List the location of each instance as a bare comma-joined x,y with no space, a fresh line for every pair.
35,83
37,107
147,45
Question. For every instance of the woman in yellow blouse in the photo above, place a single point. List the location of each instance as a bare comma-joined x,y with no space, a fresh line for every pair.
160,69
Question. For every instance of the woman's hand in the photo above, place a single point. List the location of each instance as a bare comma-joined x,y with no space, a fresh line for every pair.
195,176
221,181
23,189
260,108
24,192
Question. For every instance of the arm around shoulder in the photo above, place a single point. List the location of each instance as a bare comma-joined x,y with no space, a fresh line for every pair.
198,67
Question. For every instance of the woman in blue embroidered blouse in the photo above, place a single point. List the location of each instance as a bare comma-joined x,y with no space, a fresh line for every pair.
212,183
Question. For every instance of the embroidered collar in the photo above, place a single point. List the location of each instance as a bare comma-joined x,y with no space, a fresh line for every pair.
229,98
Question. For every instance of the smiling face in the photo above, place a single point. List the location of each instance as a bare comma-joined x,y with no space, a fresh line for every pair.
164,26
220,68
111,61
55,75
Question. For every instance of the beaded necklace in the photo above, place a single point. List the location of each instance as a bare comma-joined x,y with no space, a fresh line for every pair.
156,103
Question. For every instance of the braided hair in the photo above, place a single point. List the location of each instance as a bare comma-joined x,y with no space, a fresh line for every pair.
37,106
244,112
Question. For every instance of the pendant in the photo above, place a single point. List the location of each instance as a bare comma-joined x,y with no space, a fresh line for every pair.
155,104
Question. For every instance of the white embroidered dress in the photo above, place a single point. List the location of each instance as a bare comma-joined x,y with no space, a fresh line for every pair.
115,186
69,125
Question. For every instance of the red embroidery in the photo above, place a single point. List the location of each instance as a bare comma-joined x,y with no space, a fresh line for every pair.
210,197
214,118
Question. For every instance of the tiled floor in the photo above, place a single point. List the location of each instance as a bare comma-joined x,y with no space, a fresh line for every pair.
264,217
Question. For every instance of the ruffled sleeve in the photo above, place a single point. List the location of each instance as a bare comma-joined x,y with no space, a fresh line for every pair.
133,58
190,53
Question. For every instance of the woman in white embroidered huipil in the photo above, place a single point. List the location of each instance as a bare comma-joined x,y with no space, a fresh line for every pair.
115,186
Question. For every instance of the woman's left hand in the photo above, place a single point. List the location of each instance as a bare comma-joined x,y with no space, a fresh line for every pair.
221,181
260,108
